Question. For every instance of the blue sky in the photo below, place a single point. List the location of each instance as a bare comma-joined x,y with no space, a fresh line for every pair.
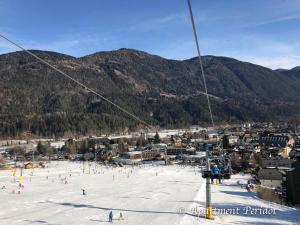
265,32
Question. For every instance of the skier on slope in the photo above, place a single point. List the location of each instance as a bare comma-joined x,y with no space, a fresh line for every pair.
110,216
121,216
20,189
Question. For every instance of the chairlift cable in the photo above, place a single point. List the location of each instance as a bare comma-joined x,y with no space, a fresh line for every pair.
200,61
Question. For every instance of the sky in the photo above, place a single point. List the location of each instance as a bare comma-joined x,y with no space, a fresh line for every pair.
264,32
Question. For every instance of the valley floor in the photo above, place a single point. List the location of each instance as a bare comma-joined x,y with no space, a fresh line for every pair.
156,195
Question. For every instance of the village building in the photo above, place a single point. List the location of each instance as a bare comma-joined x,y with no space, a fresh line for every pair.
293,186
270,177
180,151
276,162
133,157
276,140
153,154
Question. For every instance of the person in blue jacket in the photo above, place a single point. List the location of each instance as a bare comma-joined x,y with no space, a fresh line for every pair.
216,173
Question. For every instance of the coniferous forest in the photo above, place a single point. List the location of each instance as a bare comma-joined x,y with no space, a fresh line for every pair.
36,100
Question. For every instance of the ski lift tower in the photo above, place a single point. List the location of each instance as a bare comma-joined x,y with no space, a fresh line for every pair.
208,213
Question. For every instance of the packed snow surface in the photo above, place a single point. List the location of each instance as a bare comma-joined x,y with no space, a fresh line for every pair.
146,194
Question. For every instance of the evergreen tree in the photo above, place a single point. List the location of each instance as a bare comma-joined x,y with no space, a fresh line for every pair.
39,147
141,141
121,147
156,138
50,151
225,142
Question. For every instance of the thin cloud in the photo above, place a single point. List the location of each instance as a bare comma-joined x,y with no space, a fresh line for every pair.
61,46
157,23
268,53
262,51
275,20
67,45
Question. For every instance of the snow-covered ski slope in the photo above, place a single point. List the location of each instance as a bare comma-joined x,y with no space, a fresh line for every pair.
156,195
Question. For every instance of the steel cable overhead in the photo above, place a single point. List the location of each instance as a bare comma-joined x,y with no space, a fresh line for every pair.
200,61
77,82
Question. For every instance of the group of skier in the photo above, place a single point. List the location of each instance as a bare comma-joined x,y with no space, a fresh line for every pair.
110,216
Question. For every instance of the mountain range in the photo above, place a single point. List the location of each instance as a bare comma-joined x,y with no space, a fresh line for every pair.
36,100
